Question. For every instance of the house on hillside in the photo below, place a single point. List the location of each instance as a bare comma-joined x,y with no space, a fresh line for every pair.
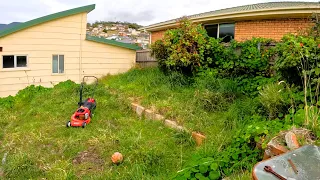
55,48
267,20
122,34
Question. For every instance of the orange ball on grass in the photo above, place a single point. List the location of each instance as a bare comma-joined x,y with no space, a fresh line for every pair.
117,158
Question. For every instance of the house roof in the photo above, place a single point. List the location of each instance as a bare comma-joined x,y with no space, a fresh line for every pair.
269,9
112,42
47,18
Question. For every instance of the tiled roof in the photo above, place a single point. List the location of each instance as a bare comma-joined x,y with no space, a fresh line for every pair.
250,8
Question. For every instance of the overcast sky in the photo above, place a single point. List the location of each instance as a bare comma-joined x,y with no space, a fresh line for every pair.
144,12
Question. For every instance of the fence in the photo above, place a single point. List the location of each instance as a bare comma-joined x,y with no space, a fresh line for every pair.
144,58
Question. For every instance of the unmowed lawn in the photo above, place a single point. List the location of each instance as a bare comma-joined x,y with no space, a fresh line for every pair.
38,145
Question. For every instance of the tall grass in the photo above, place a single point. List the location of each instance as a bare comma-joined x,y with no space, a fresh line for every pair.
40,146
212,106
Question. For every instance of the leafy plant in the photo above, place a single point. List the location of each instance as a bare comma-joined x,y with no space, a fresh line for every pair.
182,49
297,57
298,64
241,153
249,58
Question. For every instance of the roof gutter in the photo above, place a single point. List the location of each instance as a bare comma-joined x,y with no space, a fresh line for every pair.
299,12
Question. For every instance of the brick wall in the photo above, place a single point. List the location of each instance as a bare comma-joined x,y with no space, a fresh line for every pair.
274,29
156,36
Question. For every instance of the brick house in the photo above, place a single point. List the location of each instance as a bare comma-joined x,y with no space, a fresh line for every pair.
267,20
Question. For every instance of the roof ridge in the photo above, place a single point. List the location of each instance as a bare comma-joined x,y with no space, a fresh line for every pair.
248,7
47,18
263,3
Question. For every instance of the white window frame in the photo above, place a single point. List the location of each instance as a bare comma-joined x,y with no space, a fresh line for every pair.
218,30
15,61
64,68
211,25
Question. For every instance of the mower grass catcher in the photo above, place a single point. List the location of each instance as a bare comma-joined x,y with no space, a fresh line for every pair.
84,113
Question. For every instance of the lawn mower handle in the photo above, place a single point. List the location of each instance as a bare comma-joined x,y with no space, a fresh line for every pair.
81,88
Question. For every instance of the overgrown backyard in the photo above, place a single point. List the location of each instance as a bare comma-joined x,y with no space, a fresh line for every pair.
38,144
239,96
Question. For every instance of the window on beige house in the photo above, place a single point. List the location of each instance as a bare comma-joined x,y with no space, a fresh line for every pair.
224,31
14,61
57,64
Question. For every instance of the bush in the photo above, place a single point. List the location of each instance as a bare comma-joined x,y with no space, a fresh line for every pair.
182,49
250,85
160,51
249,58
254,57
298,55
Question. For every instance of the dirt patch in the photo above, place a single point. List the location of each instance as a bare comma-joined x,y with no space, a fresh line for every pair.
88,162
89,156
1,173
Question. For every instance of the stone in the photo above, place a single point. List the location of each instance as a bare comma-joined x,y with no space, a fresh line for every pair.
291,140
149,114
198,137
266,156
158,117
275,149
140,110
134,106
173,125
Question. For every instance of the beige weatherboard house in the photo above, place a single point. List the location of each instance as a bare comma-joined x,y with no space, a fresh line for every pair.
55,48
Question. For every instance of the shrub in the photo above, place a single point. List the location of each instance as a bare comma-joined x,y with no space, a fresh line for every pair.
250,85
254,57
182,49
160,51
249,58
298,55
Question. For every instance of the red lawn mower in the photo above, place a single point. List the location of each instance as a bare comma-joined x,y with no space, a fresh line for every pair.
84,113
